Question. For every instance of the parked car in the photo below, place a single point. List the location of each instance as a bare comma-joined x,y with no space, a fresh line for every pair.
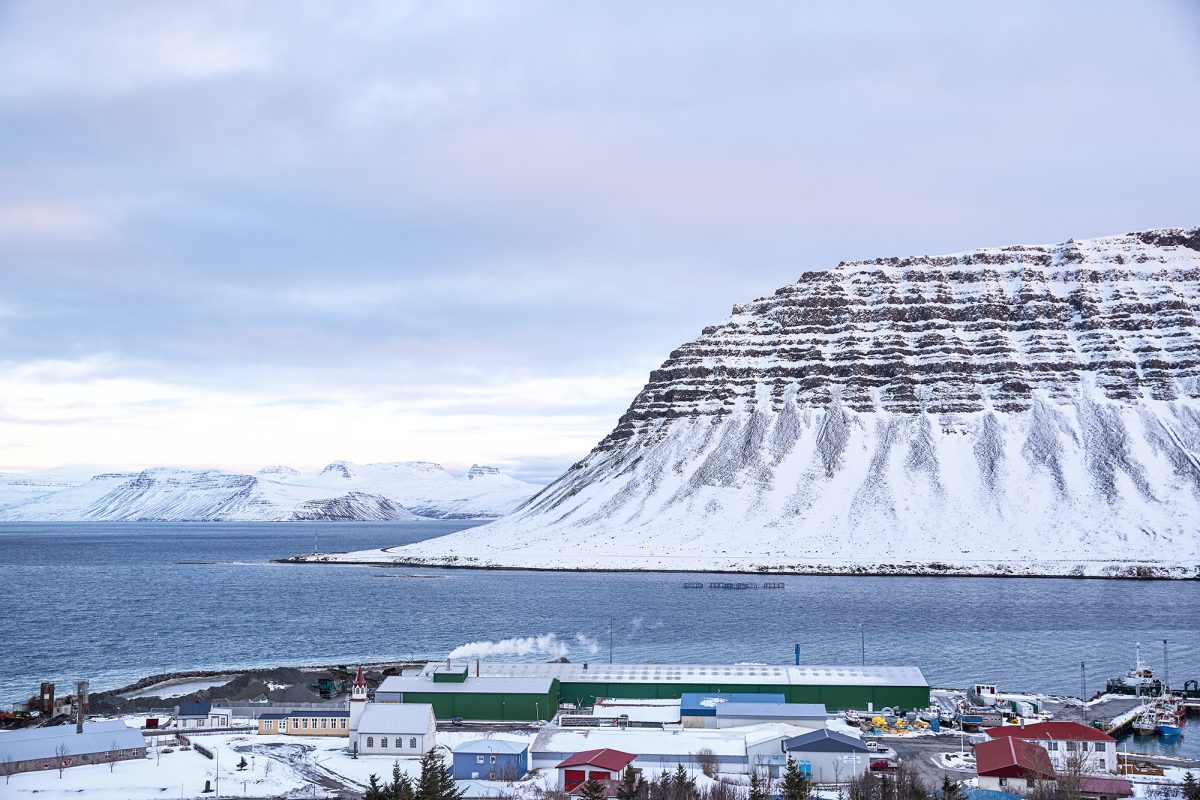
880,764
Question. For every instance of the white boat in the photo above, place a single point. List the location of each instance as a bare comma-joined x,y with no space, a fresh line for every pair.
1146,723
1140,680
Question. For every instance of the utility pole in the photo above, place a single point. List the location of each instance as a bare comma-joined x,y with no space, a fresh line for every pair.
1083,689
1166,671
862,637
610,640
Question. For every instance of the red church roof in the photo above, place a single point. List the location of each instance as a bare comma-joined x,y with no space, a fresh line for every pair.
1057,731
607,759
1009,757
360,679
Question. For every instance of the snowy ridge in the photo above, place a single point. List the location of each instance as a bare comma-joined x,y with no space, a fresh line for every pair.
341,491
1020,410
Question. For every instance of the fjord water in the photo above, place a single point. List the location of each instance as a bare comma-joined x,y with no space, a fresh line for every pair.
114,602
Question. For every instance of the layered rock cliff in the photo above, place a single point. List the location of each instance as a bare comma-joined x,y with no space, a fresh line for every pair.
1016,410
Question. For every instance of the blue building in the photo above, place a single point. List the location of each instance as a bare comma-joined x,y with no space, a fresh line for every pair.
695,708
491,760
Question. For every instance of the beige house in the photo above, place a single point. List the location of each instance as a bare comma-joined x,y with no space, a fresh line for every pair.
310,722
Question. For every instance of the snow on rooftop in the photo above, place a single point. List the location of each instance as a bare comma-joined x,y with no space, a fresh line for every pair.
645,742
815,675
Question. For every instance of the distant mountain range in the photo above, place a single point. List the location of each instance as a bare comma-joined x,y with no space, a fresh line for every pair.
341,491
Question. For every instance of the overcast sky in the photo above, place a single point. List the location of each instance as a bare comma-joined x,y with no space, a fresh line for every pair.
235,234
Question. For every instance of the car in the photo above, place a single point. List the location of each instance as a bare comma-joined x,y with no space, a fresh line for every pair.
880,764
872,744
456,721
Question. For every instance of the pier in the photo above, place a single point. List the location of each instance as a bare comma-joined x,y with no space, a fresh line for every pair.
1121,722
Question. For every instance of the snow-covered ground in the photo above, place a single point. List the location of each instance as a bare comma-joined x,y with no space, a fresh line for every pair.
287,766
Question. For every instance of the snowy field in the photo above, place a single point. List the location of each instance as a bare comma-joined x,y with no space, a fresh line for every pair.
277,766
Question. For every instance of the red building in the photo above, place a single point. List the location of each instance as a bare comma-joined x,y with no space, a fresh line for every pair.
604,765
1008,763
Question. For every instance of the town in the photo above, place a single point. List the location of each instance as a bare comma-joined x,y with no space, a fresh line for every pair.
561,729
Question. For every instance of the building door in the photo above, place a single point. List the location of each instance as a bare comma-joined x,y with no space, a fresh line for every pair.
572,778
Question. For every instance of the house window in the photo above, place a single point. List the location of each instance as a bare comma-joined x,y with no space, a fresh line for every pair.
1072,747
493,759
343,724
370,741
412,742
1004,781
478,759
1051,746
1101,747
199,723
383,742
324,723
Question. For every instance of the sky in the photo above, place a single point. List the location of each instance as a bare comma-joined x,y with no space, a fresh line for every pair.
245,233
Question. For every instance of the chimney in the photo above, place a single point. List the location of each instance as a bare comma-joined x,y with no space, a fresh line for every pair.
477,668
81,703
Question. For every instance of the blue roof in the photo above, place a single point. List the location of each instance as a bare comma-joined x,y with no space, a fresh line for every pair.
825,741
314,713
483,746
194,708
973,793
772,711
704,704
274,716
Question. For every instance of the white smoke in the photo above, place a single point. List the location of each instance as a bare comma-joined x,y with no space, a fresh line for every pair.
588,643
547,644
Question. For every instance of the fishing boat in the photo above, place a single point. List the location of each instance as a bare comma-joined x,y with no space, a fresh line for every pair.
1168,724
930,713
852,716
1140,680
1146,723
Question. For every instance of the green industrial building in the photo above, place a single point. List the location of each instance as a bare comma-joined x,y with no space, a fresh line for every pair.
453,694
528,691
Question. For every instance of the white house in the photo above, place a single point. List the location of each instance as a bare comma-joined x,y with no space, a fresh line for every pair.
1066,742
199,714
395,729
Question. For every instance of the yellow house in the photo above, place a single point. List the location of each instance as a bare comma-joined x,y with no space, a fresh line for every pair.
312,722
272,723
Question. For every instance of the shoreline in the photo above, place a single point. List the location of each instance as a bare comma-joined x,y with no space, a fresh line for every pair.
1134,572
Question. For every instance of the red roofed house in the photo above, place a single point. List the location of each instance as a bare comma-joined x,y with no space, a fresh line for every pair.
1065,741
604,765
1010,764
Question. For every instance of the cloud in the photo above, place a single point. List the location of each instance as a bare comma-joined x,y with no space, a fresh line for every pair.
467,232
48,222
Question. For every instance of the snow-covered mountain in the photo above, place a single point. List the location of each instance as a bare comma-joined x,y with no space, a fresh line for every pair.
341,491
1016,410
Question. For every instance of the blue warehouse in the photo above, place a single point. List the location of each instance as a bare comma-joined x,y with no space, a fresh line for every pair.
491,760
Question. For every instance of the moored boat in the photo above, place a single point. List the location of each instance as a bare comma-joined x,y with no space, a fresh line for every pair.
1168,724
1140,680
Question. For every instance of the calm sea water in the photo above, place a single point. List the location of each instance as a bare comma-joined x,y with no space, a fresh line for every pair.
114,602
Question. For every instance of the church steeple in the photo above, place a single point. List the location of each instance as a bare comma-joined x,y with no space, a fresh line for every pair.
359,690
358,700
